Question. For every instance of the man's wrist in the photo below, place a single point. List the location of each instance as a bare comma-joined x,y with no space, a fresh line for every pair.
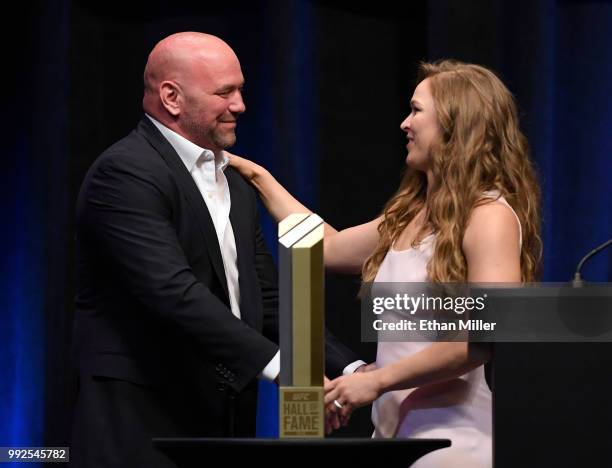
353,366
272,370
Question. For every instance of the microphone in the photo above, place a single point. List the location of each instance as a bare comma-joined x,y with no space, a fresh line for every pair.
578,281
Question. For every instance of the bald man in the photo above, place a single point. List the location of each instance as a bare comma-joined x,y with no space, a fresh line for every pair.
177,294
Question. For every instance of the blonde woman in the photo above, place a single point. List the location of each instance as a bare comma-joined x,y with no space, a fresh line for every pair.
467,210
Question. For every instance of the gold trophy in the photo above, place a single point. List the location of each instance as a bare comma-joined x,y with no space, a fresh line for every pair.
301,311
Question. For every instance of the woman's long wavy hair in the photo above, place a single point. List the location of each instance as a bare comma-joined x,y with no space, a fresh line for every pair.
481,149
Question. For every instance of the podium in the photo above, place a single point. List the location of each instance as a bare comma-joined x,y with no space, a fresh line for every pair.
293,453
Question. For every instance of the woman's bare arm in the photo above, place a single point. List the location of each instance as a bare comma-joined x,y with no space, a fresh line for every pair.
345,250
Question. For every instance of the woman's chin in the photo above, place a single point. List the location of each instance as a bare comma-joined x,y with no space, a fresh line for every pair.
415,163
411,161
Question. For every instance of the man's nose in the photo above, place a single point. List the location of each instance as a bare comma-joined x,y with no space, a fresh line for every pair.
237,105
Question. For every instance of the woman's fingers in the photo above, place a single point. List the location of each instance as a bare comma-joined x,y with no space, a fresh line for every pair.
331,390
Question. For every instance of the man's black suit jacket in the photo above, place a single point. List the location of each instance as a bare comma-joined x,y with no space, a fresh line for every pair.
152,307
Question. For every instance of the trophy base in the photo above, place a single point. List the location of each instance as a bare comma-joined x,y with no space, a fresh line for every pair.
301,412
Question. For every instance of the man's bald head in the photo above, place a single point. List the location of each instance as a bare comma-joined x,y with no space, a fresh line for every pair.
176,56
192,85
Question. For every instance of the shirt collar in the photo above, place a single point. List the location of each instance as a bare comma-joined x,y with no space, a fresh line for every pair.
188,151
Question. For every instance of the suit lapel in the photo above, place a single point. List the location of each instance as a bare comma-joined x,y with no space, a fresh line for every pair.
191,192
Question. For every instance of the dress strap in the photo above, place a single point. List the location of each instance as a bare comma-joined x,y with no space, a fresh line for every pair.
494,194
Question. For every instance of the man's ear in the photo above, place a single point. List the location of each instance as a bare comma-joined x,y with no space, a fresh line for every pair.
170,96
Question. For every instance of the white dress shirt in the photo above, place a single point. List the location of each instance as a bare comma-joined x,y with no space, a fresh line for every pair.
206,168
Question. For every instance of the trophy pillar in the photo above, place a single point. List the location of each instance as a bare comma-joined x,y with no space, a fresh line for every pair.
301,320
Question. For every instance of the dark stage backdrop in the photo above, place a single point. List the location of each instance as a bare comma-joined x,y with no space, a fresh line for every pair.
328,84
